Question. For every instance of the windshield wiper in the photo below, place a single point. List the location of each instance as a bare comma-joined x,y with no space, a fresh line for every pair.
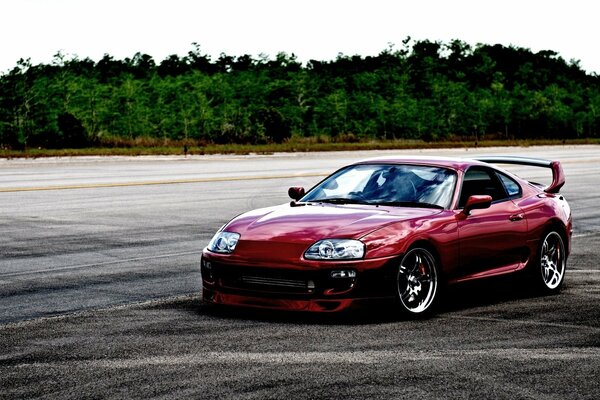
338,200
408,204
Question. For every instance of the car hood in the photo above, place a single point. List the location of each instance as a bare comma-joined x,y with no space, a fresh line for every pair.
312,222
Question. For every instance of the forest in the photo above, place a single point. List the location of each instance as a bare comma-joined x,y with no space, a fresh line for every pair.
425,90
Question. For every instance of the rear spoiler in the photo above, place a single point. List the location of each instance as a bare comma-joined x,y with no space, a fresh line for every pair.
558,176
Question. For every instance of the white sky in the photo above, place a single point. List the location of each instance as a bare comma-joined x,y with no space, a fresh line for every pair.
311,29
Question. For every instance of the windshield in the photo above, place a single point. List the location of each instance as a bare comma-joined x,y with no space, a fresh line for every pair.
387,184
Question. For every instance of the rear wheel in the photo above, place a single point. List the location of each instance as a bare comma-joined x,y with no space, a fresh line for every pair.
417,281
552,262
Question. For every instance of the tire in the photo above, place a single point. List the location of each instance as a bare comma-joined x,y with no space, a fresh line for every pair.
551,263
417,282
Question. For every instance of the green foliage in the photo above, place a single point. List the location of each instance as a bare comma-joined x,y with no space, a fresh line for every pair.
426,91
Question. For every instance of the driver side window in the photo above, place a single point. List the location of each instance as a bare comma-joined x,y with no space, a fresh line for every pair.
481,181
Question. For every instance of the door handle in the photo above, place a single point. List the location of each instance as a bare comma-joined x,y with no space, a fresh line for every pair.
516,217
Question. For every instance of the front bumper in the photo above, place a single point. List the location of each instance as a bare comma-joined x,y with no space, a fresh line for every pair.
315,287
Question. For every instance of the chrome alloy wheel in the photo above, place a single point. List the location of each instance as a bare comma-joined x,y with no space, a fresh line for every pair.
552,260
417,280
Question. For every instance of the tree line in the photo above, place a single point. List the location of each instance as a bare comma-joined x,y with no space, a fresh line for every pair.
424,90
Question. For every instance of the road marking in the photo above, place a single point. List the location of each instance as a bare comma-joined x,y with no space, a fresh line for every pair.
163,182
328,357
523,322
583,235
583,271
82,266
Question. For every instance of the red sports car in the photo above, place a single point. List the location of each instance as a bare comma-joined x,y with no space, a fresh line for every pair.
392,228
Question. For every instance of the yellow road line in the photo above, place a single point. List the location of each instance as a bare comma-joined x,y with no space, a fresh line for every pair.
163,182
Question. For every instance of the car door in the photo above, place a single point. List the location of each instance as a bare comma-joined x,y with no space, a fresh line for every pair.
491,240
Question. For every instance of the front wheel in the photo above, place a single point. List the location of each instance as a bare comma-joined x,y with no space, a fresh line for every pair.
552,263
417,281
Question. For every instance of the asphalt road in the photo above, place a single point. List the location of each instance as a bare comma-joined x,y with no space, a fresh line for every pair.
99,294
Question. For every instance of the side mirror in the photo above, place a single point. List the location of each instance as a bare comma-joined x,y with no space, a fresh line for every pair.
477,203
296,193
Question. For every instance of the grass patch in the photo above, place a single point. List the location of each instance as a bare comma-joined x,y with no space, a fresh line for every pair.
293,145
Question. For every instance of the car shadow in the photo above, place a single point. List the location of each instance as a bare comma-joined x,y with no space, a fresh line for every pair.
352,317
469,295
486,292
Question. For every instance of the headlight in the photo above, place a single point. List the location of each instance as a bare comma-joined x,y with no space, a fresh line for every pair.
336,249
223,242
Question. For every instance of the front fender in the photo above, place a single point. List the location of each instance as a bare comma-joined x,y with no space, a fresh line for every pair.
440,231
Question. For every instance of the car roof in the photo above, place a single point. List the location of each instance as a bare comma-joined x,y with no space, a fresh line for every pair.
448,162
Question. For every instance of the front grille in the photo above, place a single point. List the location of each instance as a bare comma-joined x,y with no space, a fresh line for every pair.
272,282
267,280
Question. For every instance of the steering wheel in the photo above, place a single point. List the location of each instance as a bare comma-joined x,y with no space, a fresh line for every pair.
414,191
406,192
357,196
